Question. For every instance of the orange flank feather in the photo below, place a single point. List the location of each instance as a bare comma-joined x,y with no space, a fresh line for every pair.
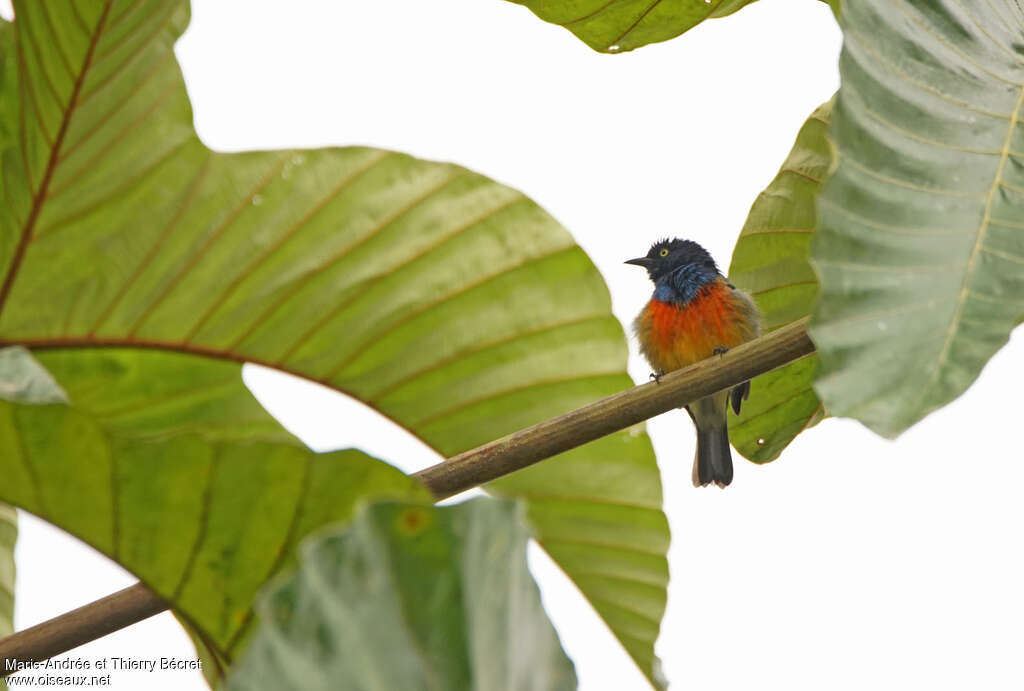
674,336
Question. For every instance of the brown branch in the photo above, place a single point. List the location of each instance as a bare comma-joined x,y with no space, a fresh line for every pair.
464,471
618,411
79,626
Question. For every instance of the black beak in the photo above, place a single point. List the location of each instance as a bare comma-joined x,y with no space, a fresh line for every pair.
645,262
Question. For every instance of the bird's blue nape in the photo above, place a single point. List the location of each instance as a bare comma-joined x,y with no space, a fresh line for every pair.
681,285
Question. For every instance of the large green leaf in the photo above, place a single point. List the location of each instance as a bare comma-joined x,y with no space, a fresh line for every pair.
8,516
200,514
8,108
22,380
597,512
411,597
921,241
8,538
449,303
771,262
615,26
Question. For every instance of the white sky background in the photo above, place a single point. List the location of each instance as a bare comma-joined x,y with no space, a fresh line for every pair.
851,562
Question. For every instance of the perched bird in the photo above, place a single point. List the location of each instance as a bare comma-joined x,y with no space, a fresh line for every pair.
696,313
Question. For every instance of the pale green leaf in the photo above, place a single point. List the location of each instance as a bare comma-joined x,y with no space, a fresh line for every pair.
411,597
727,7
921,241
617,26
771,263
24,380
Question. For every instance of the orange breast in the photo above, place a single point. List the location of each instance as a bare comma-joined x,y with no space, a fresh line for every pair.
672,337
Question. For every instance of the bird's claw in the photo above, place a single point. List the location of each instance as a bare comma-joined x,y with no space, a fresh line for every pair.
720,350
656,376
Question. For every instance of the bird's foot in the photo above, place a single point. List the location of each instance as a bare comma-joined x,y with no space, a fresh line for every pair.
656,376
720,350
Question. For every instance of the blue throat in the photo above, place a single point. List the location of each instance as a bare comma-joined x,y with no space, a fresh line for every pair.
680,285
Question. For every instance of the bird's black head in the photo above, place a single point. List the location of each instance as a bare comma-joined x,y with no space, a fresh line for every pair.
665,256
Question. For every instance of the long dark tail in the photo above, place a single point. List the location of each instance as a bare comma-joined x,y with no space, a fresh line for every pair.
713,461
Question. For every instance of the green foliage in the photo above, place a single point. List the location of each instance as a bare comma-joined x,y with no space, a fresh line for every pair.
920,244
7,74
22,380
921,241
201,515
410,597
771,262
597,511
615,26
145,268
8,536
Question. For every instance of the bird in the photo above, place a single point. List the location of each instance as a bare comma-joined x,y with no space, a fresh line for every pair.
696,313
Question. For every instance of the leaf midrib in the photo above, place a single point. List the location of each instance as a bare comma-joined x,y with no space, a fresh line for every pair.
51,164
74,343
954,324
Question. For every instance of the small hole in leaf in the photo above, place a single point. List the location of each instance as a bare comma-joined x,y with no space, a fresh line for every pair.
614,48
760,441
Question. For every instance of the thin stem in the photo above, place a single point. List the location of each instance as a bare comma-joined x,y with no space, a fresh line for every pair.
618,411
464,471
79,626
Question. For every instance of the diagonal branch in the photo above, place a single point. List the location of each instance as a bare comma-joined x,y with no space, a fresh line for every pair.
464,471
79,626
618,411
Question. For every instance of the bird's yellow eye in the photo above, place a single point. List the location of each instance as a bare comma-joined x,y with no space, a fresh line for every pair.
663,252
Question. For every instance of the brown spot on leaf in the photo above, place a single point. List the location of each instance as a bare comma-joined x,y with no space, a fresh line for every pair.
413,520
